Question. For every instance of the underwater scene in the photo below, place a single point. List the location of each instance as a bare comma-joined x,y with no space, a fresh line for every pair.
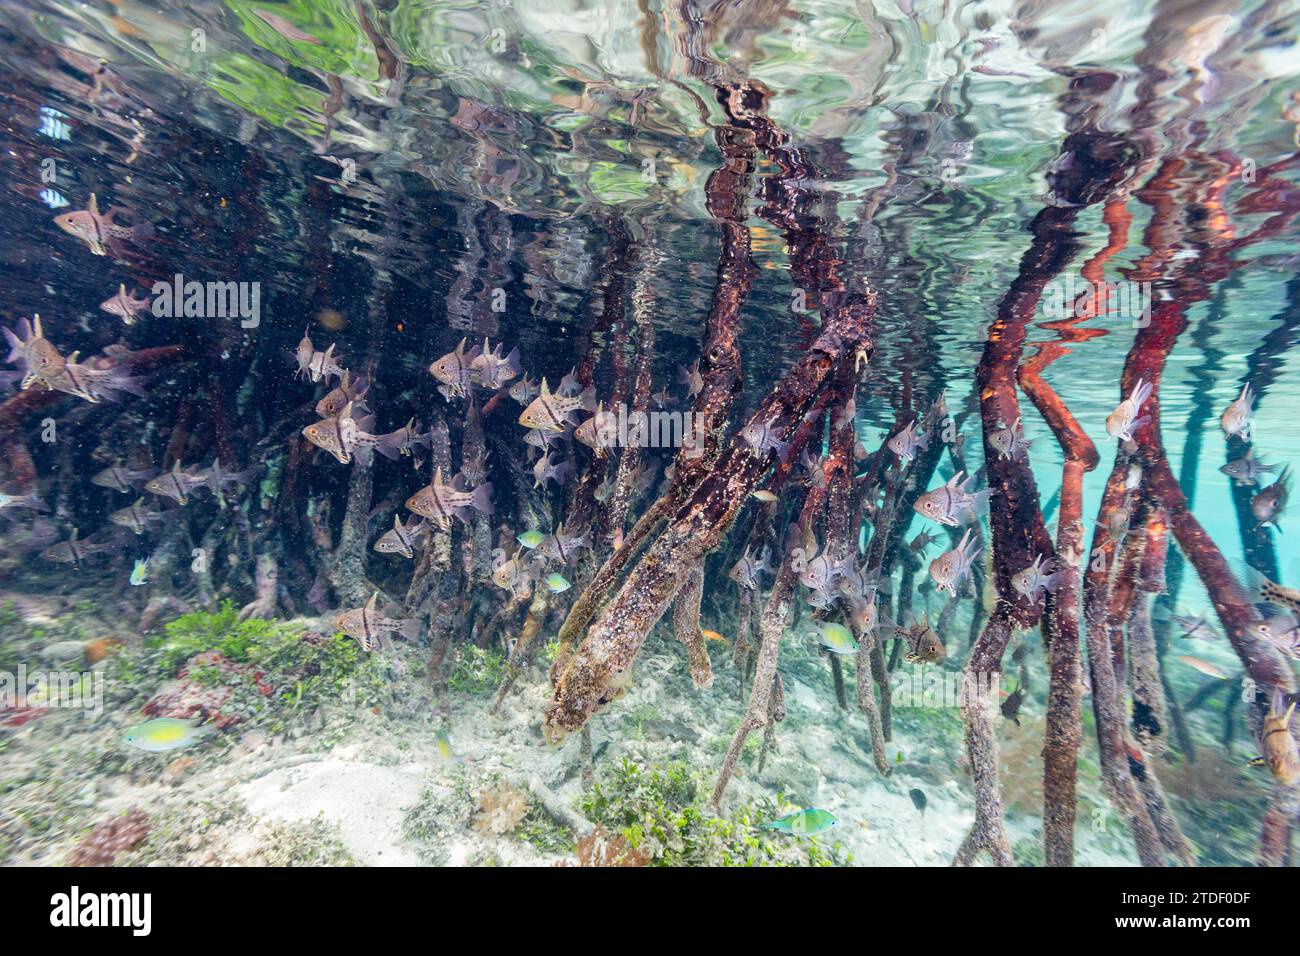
700,433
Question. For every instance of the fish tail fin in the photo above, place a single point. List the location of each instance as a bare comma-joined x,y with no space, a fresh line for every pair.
1259,589
410,628
389,445
1141,392
482,499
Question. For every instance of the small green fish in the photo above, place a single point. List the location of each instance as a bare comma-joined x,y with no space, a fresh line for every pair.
803,822
166,733
531,538
445,753
140,573
556,583
838,639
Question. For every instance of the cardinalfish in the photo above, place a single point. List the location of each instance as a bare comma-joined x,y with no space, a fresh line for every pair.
713,636
32,352
96,230
125,306
341,394
512,574
121,479
345,434
137,517
75,551
93,384
1247,470
1268,505
547,469
691,378
176,484
562,545
1264,591
908,442
1281,755
22,501
1010,442
951,568
550,411
1124,420
1235,419
370,628
1190,625
762,437
402,538
863,612
745,571
454,370
402,441
317,365
524,390
491,369
215,477
923,641
953,503
594,432
1037,578
440,502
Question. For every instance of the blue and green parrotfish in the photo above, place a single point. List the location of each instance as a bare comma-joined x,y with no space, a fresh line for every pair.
803,822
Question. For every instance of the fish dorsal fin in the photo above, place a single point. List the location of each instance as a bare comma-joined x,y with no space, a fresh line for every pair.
176,467
397,522
373,602
36,317
545,391
437,476
121,289
347,411
955,479
1286,719
94,205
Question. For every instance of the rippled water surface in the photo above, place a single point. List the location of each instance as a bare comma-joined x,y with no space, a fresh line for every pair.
849,218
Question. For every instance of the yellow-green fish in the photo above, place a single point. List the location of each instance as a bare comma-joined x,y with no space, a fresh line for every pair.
445,753
140,572
557,583
166,733
804,822
838,639
531,538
